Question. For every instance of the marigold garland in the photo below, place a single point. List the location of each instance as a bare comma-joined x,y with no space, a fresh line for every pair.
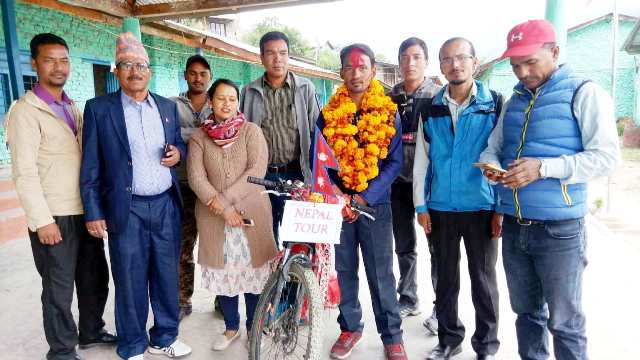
359,147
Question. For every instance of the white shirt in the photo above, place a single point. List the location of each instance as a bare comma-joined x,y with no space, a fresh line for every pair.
456,109
594,111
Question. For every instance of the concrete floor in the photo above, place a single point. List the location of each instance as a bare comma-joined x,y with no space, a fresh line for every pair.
611,292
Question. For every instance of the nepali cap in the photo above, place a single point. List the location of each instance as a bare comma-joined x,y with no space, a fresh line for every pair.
128,47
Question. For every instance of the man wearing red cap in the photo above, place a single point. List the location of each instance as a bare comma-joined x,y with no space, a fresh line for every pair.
130,190
557,132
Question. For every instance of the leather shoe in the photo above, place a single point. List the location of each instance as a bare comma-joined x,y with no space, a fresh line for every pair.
103,338
486,357
445,352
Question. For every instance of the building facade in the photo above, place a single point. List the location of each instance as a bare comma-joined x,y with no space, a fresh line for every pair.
589,54
92,50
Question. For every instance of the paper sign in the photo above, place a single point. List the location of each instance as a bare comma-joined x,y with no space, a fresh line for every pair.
309,222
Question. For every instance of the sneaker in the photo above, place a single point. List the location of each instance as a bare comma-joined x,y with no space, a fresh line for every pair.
409,310
431,324
222,341
137,357
176,350
345,344
395,352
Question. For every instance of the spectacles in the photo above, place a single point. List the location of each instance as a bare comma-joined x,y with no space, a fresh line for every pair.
128,66
459,58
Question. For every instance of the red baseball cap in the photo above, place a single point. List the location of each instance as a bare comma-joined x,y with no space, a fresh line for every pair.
526,38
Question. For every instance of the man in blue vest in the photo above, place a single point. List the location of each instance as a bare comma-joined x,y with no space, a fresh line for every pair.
453,200
557,132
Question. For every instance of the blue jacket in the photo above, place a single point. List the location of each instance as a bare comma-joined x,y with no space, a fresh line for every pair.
379,190
542,125
106,174
452,182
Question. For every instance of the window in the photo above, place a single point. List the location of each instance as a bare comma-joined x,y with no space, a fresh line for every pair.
29,81
5,94
104,82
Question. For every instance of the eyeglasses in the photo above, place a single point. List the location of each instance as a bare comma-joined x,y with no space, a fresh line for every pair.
459,58
128,66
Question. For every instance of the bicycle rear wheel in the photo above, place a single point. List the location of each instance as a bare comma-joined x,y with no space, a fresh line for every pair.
294,330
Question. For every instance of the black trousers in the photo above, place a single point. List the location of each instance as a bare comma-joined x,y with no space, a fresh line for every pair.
475,228
79,259
404,235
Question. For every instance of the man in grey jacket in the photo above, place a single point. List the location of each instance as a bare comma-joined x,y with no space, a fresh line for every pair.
284,105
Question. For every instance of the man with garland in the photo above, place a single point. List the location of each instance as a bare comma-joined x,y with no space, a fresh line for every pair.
363,129
455,201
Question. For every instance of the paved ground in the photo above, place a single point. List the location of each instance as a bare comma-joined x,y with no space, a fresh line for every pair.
611,291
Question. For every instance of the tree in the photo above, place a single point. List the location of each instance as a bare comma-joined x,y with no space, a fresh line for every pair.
298,45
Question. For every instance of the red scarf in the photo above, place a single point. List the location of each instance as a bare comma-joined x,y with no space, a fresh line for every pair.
224,134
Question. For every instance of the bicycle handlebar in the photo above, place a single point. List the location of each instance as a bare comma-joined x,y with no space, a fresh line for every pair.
282,186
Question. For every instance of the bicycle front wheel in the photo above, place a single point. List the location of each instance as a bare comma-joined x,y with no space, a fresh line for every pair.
294,329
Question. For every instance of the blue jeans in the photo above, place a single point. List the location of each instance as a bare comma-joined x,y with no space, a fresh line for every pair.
277,202
544,263
230,310
375,240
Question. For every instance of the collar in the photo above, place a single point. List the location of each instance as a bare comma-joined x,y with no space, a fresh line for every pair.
398,89
446,99
126,99
47,97
287,82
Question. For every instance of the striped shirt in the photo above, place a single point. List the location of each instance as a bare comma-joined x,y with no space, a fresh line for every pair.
279,126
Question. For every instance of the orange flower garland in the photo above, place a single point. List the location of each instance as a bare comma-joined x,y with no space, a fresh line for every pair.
359,155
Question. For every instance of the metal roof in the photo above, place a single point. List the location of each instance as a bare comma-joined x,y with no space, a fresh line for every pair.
632,44
153,10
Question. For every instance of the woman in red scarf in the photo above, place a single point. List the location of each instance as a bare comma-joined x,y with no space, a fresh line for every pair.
234,257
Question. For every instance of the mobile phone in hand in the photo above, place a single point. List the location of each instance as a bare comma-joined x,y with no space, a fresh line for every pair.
248,222
167,148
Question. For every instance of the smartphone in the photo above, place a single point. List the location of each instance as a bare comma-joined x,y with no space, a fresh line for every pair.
490,167
248,222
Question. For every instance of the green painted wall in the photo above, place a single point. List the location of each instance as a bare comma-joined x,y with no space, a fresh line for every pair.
91,41
589,54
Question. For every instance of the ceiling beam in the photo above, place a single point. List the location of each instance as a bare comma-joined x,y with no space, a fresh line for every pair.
112,7
197,8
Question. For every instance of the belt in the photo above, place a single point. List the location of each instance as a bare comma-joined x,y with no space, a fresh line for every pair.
293,166
525,222
135,197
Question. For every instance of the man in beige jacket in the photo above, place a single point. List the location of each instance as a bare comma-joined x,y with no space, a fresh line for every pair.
44,130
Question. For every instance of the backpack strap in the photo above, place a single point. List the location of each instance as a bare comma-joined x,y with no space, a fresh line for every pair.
498,100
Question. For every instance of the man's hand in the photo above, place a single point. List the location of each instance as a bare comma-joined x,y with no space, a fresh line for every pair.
97,228
493,175
172,157
522,172
49,234
424,219
215,206
232,218
360,200
496,226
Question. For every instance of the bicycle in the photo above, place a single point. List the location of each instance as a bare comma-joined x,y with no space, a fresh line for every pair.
287,323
